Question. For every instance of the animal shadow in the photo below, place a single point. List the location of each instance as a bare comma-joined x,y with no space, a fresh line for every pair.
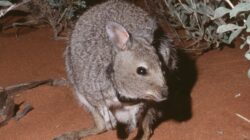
180,82
179,104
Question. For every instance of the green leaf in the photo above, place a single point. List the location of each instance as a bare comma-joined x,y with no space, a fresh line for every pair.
220,12
248,40
5,3
188,9
243,45
241,7
224,38
248,23
233,35
247,55
228,27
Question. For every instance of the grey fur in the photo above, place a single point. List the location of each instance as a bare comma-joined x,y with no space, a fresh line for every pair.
103,73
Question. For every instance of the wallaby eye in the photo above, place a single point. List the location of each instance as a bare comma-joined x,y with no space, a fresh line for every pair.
141,71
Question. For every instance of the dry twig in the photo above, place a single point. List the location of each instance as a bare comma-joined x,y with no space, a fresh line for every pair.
12,7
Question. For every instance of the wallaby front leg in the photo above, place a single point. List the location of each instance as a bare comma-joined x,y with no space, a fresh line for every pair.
146,126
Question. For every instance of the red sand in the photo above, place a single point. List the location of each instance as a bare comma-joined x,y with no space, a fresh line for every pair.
34,55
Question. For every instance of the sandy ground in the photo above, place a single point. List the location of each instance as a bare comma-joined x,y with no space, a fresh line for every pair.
220,89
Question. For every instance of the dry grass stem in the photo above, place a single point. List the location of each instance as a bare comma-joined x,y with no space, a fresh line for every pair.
242,117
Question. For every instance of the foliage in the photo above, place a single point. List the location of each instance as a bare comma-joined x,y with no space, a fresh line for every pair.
59,14
207,24
68,10
194,18
237,26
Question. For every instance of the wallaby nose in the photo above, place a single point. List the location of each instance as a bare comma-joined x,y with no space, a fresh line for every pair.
162,94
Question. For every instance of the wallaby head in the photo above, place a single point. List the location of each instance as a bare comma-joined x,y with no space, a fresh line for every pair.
137,68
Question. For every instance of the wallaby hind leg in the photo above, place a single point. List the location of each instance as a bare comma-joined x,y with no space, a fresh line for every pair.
77,135
146,126
98,128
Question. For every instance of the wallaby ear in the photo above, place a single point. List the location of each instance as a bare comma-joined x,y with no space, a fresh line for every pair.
117,35
169,54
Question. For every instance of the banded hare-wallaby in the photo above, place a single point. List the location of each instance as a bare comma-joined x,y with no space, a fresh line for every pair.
115,71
